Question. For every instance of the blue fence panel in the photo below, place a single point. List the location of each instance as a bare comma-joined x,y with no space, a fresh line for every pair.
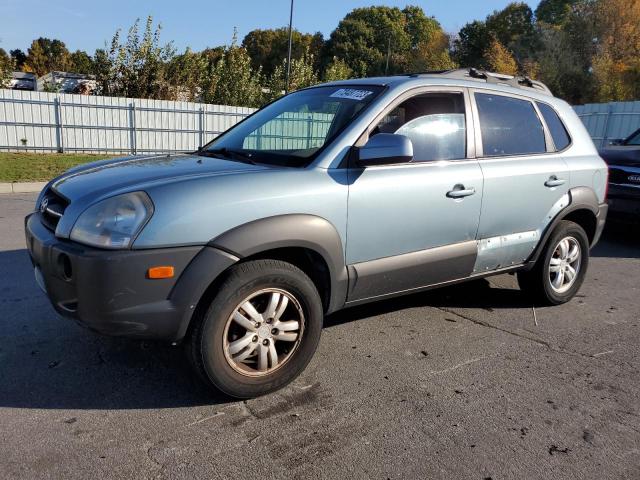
609,121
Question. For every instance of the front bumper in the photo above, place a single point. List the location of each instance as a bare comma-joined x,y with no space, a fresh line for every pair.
108,290
624,201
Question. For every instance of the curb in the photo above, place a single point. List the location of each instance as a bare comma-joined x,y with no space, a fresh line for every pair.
22,187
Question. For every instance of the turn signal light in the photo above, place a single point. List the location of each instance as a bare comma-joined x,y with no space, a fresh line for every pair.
160,272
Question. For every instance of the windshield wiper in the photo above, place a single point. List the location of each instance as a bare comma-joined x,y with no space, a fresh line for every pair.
228,153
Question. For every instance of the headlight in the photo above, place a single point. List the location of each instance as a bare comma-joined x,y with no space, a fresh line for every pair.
114,222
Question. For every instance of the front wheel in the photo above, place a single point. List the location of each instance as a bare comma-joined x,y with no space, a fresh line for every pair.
561,268
260,331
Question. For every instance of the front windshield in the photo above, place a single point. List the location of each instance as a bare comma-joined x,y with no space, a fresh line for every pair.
634,140
293,130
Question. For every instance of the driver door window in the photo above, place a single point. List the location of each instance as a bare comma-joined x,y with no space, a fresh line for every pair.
434,122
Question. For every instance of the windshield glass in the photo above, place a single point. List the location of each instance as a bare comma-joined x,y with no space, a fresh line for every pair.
294,129
634,139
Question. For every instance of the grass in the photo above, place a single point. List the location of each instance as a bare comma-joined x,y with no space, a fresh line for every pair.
39,167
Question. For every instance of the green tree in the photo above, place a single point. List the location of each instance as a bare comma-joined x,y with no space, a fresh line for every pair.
566,53
46,55
81,62
232,81
302,75
102,70
419,26
554,12
366,37
185,75
514,28
7,66
337,70
267,48
472,43
136,68
51,87
208,76
19,58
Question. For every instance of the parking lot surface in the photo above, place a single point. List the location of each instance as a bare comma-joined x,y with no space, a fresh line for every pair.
464,382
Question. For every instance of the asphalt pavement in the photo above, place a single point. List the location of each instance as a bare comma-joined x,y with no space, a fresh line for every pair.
464,382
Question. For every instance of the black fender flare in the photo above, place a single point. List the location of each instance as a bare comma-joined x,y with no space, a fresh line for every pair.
194,281
580,198
292,230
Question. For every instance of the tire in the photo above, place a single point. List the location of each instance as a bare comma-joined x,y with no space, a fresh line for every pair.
543,282
232,346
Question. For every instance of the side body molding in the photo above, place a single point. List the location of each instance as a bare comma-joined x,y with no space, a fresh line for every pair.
580,198
292,230
382,277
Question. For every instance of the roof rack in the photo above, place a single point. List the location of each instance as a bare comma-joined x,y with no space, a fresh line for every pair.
491,77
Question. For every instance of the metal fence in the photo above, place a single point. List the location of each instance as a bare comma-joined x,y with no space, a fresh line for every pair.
39,121
609,121
291,131
50,122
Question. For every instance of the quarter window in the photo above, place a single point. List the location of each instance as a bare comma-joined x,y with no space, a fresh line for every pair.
509,126
556,127
435,124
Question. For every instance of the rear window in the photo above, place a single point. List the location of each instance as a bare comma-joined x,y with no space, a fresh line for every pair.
509,126
556,127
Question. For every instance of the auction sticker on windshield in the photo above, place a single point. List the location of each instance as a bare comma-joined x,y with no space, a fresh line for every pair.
351,94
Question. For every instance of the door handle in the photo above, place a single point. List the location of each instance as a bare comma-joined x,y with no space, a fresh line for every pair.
459,191
554,182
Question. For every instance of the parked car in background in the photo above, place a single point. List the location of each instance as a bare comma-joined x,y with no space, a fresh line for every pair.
623,158
333,196
23,81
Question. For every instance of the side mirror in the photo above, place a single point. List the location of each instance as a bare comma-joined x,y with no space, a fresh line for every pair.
385,149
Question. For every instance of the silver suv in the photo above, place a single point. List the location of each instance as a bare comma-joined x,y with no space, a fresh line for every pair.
332,196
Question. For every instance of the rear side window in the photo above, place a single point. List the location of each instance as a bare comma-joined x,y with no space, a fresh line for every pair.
556,127
509,126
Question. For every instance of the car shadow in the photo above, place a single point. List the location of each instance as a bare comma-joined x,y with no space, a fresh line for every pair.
52,363
479,293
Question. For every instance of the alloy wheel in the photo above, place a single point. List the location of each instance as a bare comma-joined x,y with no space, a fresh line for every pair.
263,332
564,265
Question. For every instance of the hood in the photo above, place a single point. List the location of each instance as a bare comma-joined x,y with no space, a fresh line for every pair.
132,173
623,155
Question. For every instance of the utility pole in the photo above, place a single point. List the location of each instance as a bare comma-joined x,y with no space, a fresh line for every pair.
286,88
386,68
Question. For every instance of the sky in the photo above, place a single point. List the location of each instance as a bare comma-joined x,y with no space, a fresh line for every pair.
89,24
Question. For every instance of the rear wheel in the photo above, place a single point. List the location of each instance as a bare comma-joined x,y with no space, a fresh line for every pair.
561,268
260,331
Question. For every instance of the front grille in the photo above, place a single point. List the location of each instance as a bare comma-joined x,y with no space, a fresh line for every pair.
52,207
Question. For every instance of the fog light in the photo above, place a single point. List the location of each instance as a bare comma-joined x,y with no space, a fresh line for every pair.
64,264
